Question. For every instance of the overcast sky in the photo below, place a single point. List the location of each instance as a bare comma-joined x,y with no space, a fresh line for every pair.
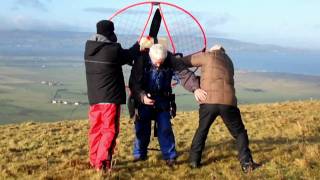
294,23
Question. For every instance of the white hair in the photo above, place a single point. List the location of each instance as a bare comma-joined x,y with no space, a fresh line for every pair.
157,52
216,47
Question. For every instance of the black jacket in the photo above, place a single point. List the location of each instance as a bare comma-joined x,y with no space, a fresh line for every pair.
137,83
103,62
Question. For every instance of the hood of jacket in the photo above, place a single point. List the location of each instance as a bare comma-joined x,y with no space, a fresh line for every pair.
99,38
95,44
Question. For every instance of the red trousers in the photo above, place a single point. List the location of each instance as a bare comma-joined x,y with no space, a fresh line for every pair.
104,129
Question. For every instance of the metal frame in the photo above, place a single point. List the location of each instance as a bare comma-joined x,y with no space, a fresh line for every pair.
157,3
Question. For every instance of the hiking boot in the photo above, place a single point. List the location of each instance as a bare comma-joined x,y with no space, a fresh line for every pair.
194,165
170,162
249,166
136,159
106,165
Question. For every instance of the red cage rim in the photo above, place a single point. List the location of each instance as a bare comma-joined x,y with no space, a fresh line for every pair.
158,3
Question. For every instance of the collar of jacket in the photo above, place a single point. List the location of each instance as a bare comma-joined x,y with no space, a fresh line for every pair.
152,66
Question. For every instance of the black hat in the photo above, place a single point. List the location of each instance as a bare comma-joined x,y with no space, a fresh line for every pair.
106,28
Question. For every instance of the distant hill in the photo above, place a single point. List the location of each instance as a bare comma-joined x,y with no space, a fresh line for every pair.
64,43
284,137
246,56
33,43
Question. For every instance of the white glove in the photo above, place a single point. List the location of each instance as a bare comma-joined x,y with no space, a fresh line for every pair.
200,95
146,42
147,100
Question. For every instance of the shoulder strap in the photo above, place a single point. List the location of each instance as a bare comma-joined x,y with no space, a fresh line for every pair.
146,62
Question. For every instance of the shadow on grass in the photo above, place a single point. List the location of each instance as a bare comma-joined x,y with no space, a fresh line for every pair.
265,145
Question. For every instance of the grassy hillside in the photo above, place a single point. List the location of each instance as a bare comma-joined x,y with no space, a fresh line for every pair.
284,137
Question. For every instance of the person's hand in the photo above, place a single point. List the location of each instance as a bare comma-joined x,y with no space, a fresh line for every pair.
200,95
146,42
147,100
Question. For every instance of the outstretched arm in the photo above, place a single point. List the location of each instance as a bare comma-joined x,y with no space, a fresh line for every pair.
194,60
127,56
188,79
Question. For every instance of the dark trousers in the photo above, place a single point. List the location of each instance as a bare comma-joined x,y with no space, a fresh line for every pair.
232,119
164,130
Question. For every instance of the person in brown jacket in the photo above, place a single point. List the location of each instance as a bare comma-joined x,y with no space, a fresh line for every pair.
217,80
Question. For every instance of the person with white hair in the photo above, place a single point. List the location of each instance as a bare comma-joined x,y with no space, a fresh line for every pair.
150,83
217,80
158,53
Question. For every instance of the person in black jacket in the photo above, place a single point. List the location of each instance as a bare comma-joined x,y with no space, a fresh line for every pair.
150,83
104,58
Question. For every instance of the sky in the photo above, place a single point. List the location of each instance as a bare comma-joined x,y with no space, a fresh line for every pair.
290,23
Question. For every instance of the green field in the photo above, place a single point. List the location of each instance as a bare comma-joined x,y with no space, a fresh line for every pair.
24,98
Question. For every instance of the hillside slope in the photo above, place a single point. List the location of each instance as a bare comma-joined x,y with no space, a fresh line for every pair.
284,137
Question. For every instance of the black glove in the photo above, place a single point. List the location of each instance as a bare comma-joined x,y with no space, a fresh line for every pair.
173,110
173,106
131,106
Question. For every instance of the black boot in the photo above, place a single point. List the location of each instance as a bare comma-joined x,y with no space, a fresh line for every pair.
106,165
249,166
170,162
194,165
136,159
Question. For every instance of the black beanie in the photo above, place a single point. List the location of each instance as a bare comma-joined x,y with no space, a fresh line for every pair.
106,28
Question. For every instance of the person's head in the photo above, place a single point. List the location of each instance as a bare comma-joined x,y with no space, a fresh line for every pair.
158,53
164,41
216,47
106,28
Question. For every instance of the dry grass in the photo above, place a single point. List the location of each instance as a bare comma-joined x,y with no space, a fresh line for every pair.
285,138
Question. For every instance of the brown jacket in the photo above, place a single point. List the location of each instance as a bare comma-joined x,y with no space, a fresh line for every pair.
216,76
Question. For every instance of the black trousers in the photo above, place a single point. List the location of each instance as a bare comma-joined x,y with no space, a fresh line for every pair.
232,119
